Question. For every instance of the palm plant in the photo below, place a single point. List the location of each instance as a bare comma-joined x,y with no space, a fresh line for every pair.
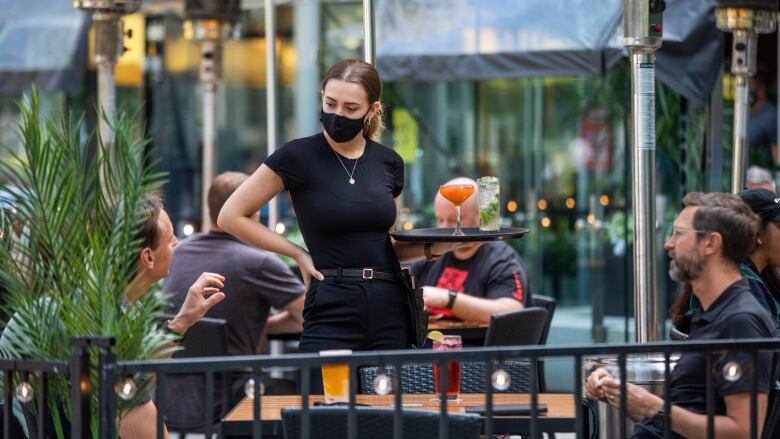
66,271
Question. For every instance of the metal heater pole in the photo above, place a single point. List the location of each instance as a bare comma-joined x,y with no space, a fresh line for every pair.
369,31
108,39
107,19
745,24
270,102
642,36
210,56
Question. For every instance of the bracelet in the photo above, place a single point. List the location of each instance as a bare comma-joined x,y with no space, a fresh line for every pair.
429,256
453,295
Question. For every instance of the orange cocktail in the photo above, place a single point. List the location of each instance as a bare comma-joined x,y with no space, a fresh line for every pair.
456,194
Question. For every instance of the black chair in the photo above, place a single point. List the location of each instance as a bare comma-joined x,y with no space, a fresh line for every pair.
516,328
375,423
548,303
418,377
206,338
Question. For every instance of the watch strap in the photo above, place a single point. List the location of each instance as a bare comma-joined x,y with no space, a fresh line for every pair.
452,296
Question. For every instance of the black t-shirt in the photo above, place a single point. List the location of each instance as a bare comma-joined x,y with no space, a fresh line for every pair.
343,225
495,271
734,314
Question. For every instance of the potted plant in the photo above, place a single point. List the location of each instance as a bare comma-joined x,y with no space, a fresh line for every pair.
69,249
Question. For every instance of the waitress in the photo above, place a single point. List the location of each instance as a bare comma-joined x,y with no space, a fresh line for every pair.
345,189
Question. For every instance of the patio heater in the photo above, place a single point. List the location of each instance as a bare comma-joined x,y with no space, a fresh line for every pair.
745,19
642,30
210,22
107,20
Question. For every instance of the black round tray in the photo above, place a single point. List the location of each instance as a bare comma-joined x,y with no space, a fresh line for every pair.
469,235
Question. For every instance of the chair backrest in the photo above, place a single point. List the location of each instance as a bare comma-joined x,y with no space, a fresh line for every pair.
206,338
522,327
376,423
549,304
418,377
185,394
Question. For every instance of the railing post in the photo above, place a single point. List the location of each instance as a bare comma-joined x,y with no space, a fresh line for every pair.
80,384
107,399
80,387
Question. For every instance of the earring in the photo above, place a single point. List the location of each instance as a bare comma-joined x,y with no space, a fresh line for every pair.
759,241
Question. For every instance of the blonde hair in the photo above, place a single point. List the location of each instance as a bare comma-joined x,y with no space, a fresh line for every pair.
364,74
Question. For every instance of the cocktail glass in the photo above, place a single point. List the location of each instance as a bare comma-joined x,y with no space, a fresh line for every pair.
489,204
448,343
456,194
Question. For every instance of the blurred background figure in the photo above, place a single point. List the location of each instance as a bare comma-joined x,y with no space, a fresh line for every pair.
759,178
762,124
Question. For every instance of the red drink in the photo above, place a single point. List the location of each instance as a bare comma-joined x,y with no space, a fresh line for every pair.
453,379
448,343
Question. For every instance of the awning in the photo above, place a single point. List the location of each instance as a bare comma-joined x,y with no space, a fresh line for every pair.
42,43
485,39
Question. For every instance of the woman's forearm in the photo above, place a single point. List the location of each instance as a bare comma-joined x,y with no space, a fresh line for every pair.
260,236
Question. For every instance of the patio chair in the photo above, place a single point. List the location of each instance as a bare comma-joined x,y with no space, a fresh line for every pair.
516,328
376,423
206,338
549,304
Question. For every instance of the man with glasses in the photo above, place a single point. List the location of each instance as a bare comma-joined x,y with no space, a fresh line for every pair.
712,235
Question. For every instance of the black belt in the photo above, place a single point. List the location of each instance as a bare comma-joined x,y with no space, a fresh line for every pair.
362,273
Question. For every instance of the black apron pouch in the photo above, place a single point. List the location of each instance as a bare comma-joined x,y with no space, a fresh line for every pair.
418,316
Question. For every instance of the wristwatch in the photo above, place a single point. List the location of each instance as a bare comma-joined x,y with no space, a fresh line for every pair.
453,295
429,256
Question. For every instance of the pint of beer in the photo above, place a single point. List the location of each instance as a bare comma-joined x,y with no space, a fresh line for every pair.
335,378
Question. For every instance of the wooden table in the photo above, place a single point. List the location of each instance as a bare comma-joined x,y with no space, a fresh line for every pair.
560,416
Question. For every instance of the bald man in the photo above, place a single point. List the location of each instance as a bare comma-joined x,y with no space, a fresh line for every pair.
475,281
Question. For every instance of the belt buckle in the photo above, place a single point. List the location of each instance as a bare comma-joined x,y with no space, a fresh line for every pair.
368,273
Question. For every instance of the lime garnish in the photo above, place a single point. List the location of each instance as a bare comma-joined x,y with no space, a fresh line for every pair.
435,335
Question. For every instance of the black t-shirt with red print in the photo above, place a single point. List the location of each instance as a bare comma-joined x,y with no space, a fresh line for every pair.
495,271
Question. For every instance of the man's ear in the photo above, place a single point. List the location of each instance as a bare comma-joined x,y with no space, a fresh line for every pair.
146,258
713,243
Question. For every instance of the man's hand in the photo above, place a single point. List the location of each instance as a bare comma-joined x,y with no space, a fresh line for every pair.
593,388
640,403
435,297
202,295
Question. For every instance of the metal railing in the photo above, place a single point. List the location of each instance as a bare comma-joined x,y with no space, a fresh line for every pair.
111,372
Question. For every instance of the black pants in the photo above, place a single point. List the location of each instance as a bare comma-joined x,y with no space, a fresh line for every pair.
356,314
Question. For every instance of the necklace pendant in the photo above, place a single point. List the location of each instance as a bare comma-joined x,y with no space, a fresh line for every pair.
351,181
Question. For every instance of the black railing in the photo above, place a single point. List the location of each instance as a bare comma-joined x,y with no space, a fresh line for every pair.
112,372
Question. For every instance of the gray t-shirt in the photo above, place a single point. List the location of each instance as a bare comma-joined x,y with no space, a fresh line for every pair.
255,281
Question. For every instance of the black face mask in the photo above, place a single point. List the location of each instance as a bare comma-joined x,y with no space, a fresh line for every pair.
341,129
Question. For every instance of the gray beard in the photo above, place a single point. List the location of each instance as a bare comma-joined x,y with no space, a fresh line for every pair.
685,269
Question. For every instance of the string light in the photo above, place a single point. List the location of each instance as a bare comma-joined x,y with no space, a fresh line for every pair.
249,388
500,380
382,384
24,392
126,389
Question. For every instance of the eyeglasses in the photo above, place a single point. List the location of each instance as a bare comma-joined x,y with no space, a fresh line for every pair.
677,232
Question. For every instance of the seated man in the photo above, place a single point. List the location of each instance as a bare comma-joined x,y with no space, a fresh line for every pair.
492,275
256,279
157,243
712,235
